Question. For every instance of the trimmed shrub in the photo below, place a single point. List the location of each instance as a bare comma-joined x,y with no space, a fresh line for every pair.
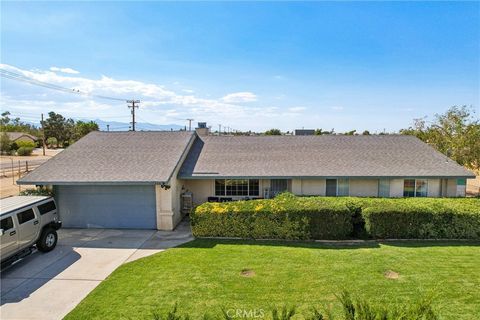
24,151
285,217
414,218
302,218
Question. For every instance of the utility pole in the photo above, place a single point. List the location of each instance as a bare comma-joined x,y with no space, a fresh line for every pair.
189,124
43,136
219,129
133,105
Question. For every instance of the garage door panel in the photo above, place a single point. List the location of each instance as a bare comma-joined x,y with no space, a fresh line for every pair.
107,206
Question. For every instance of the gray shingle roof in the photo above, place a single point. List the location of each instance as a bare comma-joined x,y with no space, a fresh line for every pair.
114,157
317,156
16,135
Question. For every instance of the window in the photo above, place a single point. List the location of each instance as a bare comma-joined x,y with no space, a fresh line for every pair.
46,207
409,188
384,188
237,187
415,188
331,189
420,188
253,188
343,187
6,224
337,187
220,187
25,216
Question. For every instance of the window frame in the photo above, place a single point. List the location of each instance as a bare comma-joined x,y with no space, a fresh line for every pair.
22,212
416,194
43,205
12,223
235,188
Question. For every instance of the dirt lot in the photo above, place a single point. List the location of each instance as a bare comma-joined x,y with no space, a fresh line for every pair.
9,174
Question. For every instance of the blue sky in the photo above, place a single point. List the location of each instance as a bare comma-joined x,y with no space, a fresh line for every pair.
342,65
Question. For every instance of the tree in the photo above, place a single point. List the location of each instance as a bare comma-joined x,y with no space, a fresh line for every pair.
52,142
273,132
350,133
8,124
320,132
58,127
83,128
366,133
5,143
456,133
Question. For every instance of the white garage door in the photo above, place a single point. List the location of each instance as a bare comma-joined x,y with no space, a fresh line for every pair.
131,207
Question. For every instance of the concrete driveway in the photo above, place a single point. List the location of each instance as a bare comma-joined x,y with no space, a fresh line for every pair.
48,286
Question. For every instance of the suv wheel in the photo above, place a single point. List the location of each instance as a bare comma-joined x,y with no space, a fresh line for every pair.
47,241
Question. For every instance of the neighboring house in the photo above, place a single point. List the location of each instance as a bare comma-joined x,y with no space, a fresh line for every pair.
21,136
136,179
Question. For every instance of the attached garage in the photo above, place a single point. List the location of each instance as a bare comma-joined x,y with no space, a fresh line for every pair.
107,206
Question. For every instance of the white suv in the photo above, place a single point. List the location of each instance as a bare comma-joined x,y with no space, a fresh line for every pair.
26,222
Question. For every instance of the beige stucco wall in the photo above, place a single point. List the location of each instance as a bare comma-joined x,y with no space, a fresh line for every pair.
364,187
168,200
200,189
396,188
310,187
204,188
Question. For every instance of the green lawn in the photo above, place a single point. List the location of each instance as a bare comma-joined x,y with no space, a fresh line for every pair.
204,275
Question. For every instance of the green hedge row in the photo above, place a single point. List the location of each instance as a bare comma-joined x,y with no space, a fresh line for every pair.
290,217
285,217
423,218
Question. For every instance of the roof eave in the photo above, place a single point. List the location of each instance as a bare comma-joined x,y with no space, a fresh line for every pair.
59,183
197,177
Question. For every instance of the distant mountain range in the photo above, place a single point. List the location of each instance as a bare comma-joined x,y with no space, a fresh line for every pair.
139,126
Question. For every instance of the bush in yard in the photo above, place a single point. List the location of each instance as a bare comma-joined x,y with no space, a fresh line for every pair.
417,218
26,144
52,142
39,191
285,217
24,151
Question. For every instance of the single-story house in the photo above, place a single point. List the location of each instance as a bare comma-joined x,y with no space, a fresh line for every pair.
137,179
21,136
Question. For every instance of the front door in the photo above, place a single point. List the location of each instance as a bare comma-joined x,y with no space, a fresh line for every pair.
331,190
8,240
278,186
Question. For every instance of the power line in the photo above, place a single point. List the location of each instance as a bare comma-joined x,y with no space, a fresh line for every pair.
19,77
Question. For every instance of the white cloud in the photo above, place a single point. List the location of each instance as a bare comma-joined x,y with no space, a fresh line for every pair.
297,109
159,104
244,96
337,108
64,70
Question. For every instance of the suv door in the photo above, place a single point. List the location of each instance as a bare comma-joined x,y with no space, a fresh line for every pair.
8,240
28,226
